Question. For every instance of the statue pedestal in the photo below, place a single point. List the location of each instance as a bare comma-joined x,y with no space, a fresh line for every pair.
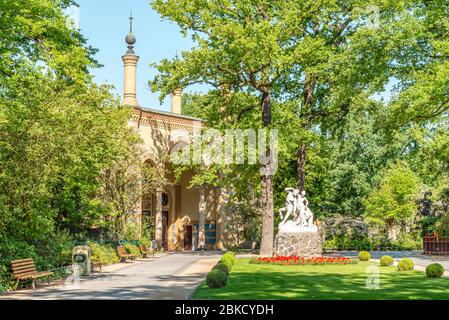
304,244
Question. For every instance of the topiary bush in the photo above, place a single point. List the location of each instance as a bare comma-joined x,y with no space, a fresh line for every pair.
223,267
386,261
405,264
230,258
364,256
229,254
216,279
227,263
434,270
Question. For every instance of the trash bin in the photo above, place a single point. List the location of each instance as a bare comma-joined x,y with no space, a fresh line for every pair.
81,259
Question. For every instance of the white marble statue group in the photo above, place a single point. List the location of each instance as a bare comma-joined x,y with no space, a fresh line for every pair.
296,215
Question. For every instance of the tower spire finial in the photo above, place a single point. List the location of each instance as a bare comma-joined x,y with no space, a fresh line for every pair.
131,22
130,38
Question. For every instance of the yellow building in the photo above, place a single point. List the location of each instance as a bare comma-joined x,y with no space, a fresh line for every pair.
184,218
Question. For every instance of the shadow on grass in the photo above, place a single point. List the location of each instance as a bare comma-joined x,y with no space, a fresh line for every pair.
340,282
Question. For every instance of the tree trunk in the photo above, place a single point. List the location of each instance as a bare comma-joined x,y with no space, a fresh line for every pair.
309,87
302,152
392,231
266,245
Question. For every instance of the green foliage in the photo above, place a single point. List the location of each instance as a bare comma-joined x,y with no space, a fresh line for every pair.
405,264
146,241
38,30
386,261
394,201
229,254
216,279
133,249
104,254
228,258
130,230
53,251
406,242
64,141
364,256
223,266
434,270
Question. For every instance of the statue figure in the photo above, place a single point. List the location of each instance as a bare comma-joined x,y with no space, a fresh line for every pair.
307,214
298,217
290,205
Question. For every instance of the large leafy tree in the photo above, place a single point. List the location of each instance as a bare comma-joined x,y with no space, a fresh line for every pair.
58,131
38,31
393,203
243,46
320,54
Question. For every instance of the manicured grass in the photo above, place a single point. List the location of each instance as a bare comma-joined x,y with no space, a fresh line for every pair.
251,281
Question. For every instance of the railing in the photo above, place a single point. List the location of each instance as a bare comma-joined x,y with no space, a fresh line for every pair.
432,244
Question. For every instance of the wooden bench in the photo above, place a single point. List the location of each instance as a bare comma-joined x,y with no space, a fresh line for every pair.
121,250
25,269
145,251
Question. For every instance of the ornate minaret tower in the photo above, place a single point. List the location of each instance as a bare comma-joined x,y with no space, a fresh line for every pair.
130,63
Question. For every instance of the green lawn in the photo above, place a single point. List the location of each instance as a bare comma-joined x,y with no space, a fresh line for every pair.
251,281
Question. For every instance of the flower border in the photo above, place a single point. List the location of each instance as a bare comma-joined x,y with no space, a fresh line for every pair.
296,260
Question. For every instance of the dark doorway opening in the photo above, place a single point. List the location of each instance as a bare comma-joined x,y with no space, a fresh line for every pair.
165,230
188,238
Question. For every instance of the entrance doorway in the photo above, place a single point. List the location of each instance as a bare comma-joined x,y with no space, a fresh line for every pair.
165,230
188,238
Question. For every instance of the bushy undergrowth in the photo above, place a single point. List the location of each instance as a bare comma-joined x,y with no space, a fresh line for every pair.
51,252
133,249
105,254
404,242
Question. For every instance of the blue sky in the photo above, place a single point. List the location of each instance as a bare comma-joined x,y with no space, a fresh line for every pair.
105,24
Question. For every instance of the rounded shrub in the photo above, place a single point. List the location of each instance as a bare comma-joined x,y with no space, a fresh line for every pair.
229,258
229,253
227,262
386,261
405,264
216,279
223,267
434,270
364,256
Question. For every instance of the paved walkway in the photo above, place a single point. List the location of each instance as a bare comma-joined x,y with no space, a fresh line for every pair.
172,276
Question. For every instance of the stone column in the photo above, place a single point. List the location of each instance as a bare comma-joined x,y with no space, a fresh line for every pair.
202,218
178,190
176,98
220,219
129,94
158,229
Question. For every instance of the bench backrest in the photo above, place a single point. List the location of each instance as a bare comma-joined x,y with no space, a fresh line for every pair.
121,251
23,267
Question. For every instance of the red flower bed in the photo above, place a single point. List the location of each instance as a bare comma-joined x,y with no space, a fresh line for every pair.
295,260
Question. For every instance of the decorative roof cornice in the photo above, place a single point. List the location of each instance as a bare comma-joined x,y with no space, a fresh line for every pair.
165,120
